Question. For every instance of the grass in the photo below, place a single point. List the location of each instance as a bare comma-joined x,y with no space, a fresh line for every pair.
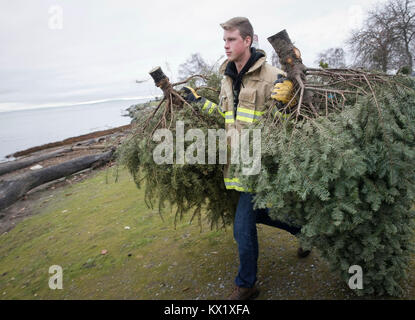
149,259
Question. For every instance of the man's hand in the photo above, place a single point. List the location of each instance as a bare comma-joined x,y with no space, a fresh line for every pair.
191,94
282,91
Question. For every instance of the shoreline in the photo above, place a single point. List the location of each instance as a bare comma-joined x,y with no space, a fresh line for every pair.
141,99
27,129
83,145
70,140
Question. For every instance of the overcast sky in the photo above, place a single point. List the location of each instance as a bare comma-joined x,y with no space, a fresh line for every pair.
67,51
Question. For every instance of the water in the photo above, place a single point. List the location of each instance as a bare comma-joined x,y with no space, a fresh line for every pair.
23,129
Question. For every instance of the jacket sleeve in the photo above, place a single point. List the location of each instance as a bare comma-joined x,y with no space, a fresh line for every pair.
211,107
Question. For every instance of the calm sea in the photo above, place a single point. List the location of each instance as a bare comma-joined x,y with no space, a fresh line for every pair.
23,129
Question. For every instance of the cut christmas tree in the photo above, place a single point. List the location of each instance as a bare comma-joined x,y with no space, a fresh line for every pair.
340,164
337,160
163,134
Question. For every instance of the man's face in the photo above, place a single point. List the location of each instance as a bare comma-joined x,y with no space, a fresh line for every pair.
235,46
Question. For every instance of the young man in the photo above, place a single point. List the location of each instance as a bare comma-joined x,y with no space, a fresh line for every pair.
247,87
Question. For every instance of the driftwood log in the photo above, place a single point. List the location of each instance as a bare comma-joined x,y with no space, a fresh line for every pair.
84,137
11,166
14,188
89,147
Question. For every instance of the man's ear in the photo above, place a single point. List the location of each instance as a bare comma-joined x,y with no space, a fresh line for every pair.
248,40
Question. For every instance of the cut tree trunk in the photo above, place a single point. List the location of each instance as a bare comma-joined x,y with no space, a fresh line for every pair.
11,166
163,82
13,189
290,59
290,56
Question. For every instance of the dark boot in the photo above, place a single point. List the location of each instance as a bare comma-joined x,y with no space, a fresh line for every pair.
303,253
240,293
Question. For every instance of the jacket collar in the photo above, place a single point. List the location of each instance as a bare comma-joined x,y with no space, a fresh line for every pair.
255,66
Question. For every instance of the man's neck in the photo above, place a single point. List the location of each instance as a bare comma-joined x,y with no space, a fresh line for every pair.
242,61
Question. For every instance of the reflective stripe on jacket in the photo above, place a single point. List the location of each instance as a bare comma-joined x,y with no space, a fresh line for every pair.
254,97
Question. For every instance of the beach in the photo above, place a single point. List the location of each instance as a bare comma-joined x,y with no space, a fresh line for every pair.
23,129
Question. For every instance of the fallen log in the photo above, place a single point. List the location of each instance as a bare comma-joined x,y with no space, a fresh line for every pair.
108,137
95,140
11,166
13,189
88,147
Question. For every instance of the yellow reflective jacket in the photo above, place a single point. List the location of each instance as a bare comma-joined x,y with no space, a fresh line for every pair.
254,99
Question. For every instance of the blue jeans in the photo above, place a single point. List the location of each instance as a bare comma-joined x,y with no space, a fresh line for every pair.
245,234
